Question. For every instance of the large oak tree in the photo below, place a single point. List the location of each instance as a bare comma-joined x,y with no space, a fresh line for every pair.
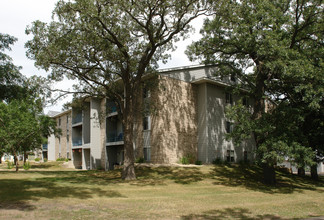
276,49
98,42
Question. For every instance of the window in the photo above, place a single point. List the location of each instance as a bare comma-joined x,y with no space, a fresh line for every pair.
59,121
245,156
228,97
229,127
147,154
67,155
146,123
230,156
246,101
233,78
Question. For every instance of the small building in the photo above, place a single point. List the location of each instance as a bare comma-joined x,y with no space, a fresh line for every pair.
59,146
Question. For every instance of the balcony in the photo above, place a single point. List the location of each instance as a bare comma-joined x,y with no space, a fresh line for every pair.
45,147
77,143
115,138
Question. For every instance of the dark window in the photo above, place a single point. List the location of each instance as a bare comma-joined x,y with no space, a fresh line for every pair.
230,156
229,127
245,156
147,154
246,101
233,78
228,97
59,122
146,123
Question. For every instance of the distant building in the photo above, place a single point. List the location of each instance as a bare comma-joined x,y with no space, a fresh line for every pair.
60,146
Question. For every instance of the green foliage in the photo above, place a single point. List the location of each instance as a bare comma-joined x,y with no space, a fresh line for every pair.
140,160
45,159
184,160
11,80
27,165
198,162
276,49
37,159
188,159
10,165
218,161
62,159
97,42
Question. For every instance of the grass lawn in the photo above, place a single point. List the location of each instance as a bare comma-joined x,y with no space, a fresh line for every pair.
48,191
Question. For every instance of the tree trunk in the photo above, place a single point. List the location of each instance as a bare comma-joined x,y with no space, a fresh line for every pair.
128,172
269,174
1,158
301,171
16,162
25,157
314,173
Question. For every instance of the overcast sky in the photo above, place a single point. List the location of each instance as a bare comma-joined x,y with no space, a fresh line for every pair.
16,15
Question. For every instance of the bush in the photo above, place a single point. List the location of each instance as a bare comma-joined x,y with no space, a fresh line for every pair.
61,159
45,159
37,159
188,159
66,160
10,165
218,161
198,162
184,160
140,160
27,166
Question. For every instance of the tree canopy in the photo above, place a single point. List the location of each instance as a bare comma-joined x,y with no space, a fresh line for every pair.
276,49
98,42
23,127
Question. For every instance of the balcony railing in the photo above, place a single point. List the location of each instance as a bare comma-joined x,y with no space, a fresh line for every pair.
115,138
77,142
45,146
77,118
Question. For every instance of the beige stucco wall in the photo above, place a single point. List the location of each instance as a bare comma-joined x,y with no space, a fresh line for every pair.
173,121
63,146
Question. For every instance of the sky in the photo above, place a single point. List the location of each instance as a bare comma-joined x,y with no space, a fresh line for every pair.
16,15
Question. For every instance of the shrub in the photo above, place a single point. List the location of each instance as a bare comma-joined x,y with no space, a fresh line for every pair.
45,160
37,159
184,160
10,165
218,161
27,166
61,159
140,160
188,159
198,162
67,160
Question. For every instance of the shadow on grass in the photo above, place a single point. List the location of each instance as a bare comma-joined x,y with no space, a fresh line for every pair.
158,175
229,213
251,177
16,192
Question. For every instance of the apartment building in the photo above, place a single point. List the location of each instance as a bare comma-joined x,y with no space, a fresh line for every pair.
60,146
186,118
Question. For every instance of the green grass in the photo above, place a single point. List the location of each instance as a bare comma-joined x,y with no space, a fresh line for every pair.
48,191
